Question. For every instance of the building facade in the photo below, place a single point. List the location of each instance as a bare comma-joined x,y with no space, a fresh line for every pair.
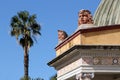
91,52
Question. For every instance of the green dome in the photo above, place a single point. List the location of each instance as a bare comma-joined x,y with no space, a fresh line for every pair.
107,13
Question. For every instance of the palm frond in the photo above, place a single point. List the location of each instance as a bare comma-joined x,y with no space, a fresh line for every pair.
36,32
23,15
12,33
30,41
32,20
36,28
15,19
22,42
23,25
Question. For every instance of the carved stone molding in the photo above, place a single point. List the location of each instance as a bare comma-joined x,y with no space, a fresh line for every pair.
101,60
106,60
84,76
100,53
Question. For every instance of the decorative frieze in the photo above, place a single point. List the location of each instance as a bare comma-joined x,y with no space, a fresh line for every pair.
100,60
96,60
87,60
106,60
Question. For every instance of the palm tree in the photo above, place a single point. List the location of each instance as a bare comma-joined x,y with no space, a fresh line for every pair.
25,27
54,77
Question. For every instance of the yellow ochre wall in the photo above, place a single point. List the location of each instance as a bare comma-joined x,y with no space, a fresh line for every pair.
75,41
105,37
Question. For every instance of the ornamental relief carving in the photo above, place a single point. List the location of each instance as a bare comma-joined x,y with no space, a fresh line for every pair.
96,60
101,60
87,60
106,60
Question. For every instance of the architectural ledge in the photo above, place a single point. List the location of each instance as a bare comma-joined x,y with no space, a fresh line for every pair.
76,49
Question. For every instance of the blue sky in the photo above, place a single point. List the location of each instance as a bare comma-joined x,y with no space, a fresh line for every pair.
52,15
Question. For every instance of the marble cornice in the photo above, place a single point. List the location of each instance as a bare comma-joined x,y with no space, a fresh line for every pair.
87,50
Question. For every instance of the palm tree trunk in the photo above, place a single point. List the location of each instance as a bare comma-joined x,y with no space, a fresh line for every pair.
26,61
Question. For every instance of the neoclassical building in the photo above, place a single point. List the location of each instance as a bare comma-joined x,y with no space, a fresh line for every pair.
92,52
